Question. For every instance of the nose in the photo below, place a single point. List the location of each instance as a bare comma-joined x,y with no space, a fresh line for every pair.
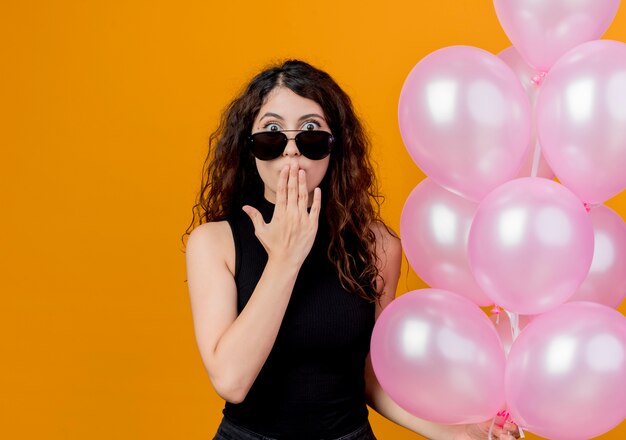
291,149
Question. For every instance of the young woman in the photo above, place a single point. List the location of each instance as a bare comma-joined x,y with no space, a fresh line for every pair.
291,264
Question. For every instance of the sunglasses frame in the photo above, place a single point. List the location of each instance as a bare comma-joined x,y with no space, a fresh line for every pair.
304,151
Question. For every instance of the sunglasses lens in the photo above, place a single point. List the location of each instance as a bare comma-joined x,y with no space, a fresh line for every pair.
314,144
268,145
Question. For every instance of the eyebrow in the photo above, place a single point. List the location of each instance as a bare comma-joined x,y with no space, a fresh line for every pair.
303,117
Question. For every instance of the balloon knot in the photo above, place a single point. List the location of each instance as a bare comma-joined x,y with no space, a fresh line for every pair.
505,414
538,78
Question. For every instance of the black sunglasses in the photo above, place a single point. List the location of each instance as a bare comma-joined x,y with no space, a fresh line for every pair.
312,144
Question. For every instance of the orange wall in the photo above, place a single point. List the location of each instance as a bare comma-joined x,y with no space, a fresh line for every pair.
106,110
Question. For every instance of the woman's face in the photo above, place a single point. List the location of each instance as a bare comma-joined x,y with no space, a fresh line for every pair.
285,110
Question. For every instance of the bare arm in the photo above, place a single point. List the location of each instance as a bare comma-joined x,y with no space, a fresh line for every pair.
390,253
234,348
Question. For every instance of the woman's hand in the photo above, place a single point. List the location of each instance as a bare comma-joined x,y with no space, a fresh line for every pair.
502,430
290,234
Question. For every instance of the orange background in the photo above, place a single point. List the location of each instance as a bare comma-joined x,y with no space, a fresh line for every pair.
106,112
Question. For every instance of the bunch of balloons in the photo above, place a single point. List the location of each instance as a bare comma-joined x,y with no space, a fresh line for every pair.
490,226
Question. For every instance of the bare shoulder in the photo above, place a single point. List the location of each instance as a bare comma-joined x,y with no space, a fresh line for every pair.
387,241
210,230
389,260
212,241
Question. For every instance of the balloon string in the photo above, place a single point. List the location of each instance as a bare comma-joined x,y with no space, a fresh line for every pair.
493,422
514,319
536,156
537,80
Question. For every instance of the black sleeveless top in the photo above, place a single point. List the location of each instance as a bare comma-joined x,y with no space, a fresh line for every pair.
312,385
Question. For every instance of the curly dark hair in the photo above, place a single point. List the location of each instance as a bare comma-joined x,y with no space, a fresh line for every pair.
351,197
